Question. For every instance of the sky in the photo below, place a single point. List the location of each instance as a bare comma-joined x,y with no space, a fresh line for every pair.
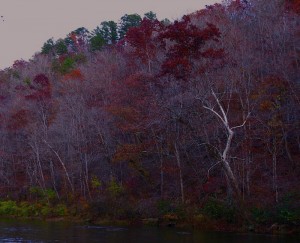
29,23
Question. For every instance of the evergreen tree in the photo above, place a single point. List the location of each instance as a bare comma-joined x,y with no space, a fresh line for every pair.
128,21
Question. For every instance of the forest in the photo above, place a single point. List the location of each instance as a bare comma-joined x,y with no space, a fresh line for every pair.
195,120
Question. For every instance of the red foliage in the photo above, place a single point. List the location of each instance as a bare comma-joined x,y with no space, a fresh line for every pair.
18,120
184,42
133,102
128,115
293,5
142,39
74,75
41,88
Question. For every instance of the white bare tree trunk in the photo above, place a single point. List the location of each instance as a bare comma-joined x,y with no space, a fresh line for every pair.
62,164
222,115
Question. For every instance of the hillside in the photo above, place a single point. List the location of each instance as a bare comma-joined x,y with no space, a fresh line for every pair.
196,120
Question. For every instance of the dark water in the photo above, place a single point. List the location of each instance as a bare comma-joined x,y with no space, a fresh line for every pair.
37,231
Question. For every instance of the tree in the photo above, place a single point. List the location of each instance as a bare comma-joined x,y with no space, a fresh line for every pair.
128,21
77,40
48,47
187,57
224,155
61,47
150,15
165,22
105,34
187,44
97,42
143,41
205,106
109,31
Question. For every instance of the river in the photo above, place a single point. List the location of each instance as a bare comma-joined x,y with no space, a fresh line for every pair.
31,231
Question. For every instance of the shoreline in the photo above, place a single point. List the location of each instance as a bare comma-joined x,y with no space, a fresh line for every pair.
60,212
274,229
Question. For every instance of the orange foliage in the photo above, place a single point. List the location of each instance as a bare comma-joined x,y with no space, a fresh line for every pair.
74,75
128,152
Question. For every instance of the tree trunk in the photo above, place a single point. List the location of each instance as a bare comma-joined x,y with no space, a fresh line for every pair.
225,163
275,185
62,164
180,172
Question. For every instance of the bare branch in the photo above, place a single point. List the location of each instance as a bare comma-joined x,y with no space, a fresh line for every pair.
212,168
216,113
243,124
221,108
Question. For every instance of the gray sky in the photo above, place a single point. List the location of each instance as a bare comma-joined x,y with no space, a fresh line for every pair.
29,23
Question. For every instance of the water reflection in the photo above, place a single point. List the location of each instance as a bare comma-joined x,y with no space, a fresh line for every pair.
37,231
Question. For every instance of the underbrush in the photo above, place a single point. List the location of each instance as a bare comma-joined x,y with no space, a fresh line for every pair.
27,209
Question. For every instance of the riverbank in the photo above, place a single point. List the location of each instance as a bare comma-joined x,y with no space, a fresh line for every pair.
24,230
216,219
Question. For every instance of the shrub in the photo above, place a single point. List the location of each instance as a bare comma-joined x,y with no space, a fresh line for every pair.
114,188
95,182
219,210
260,215
165,207
26,210
44,195
45,211
288,210
50,194
60,210
8,208
288,216
36,191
